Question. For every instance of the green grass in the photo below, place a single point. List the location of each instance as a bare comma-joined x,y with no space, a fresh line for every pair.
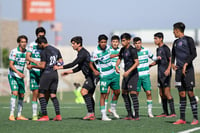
72,114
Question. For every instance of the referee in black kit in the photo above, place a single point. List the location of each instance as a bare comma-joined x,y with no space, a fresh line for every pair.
50,56
184,52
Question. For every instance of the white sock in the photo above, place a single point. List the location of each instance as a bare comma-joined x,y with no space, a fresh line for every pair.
20,107
34,107
12,104
113,106
149,106
103,112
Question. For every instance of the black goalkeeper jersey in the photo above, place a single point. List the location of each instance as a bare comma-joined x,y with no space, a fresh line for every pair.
183,51
82,60
50,55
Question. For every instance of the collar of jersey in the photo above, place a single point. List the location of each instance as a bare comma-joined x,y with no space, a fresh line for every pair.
98,47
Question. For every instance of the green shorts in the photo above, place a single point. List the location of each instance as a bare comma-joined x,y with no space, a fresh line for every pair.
145,83
34,80
16,84
112,81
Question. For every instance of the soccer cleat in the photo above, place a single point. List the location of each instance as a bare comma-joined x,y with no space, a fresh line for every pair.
57,118
150,115
35,118
194,122
21,118
171,115
128,118
105,118
136,119
89,116
11,118
179,122
44,118
162,115
114,113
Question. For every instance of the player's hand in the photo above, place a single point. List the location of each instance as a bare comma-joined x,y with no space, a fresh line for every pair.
159,57
184,69
38,63
29,67
167,72
96,73
64,73
55,67
174,67
117,69
21,75
126,74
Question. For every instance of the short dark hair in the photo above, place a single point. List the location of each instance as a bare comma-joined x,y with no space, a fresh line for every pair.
135,39
180,26
102,37
115,37
41,40
77,39
159,35
22,37
40,29
126,36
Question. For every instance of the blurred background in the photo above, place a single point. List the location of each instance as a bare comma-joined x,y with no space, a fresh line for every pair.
64,19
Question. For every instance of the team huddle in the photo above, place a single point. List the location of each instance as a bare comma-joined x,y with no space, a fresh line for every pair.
103,66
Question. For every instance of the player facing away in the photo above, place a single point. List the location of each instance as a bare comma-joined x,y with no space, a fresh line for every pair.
50,56
184,52
114,50
33,56
164,75
101,57
88,88
17,61
130,76
143,70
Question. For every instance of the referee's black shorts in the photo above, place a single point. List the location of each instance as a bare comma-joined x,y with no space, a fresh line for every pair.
129,83
90,83
185,82
49,82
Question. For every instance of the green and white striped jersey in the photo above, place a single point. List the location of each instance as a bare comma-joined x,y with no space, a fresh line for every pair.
19,59
143,56
103,62
114,51
35,51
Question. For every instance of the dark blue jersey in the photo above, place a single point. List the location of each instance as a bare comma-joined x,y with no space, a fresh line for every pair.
128,55
183,51
50,55
164,53
82,60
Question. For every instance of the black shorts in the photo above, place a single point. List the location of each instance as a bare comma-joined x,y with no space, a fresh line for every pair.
130,83
164,81
49,82
185,82
90,83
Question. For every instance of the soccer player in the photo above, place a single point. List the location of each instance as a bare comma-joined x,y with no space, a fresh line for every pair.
50,56
130,76
184,52
114,50
88,88
164,75
17,61
33,56
101,57
143,69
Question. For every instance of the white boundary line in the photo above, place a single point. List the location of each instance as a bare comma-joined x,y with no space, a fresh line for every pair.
190,130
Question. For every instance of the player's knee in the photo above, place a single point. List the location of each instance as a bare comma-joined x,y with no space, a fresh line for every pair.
15,93
84,92
190,93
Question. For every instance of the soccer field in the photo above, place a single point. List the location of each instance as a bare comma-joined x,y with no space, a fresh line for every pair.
72,122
